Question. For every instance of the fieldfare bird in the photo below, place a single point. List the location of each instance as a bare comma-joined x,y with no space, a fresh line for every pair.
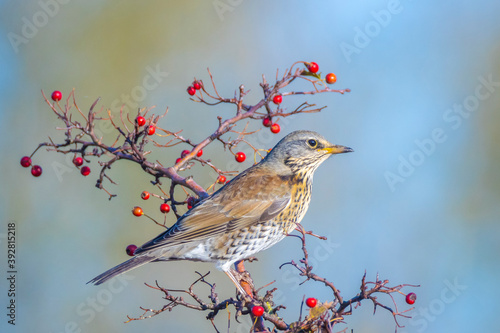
254,211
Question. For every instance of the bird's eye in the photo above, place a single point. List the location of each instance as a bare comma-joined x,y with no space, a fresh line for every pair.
312,143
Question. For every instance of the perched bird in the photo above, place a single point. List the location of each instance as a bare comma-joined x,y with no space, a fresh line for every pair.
254,211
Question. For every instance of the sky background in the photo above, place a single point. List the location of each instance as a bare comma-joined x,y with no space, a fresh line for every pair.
417,202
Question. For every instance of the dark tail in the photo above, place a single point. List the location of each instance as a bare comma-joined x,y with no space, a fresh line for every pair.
122,268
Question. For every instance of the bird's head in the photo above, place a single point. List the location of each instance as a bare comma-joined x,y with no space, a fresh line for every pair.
302,151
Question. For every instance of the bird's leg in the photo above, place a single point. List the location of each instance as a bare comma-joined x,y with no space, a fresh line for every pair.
301,229
241,279
230,274
244,275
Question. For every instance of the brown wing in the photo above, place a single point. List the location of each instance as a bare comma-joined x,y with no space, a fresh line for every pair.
249,199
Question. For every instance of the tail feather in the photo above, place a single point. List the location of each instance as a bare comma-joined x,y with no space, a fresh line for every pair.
122,268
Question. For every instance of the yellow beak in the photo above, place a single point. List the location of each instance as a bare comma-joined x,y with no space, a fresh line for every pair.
337,149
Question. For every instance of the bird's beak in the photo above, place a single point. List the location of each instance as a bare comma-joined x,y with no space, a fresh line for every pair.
337,149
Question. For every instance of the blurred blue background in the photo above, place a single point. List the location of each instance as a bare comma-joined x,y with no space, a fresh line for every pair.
418,201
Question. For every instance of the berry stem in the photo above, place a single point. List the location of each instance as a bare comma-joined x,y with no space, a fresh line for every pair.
39,146
152,219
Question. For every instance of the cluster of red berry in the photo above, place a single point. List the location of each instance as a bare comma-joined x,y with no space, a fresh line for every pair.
275,128
312,67
78,161
141,121
192,88
36,170
268,122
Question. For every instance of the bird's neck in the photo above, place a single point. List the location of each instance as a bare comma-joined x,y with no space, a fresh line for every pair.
299,177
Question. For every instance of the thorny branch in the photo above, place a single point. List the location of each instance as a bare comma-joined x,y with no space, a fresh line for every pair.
322,318
339,306
83,138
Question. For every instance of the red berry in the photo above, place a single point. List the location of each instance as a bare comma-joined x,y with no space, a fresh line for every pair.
312,67
178,160
151,130
411,298
191,90
240,157
36,170
196,85
131,249
56,96
164,208
184,153
277,99
311,302
267,122
275,128
221,179
257,311
331,78
137,211
85,171
145,195
199,153
25,161
78,161
190,202
141,121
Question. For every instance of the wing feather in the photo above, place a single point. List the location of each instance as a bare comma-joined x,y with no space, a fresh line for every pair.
249,199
